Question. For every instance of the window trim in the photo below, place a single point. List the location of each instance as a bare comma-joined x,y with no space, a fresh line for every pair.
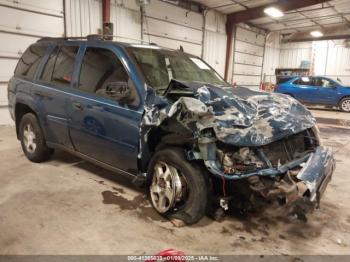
299,79
42,69
79,67
38,69
327,79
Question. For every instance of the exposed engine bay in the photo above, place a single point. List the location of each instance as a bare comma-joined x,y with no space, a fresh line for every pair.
271,172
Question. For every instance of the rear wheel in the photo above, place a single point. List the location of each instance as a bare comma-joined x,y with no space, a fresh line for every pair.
178,189
32,139
344,104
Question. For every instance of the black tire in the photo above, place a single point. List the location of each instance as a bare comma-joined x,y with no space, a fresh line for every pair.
41,152
342,104
194,206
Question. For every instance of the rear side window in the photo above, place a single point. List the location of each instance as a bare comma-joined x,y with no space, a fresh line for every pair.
30,60
60,65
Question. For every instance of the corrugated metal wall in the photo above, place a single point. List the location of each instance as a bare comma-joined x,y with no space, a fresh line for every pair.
172,26
249,48
293,53
329,58
271,57
83,17
214,49
332,59
126,17
22,23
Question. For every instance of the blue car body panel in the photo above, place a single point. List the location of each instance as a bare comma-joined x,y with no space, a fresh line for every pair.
314,94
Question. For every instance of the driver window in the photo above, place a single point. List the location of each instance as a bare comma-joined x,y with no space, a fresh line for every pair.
102,73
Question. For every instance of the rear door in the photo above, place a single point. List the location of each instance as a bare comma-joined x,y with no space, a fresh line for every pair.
327,91
52,93
102,126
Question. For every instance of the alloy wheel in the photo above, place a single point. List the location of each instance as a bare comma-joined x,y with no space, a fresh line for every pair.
345,105
166,188
29,139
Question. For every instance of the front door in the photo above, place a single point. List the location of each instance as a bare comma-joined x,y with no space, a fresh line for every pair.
104,126
305,89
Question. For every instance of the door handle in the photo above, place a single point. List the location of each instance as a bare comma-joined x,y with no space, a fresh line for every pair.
42,95
77,105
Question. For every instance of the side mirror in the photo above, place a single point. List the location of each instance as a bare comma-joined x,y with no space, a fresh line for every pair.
118,90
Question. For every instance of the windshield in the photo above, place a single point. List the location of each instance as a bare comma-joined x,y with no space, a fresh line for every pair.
159,66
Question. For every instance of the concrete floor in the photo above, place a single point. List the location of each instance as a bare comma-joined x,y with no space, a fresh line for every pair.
68,206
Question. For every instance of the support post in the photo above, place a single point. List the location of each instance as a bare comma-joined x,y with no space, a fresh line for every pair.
229,47
107,29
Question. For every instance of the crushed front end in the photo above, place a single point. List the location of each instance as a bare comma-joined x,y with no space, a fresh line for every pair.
257,146
294,171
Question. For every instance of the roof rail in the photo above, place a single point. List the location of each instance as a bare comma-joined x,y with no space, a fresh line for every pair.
91,37
45,39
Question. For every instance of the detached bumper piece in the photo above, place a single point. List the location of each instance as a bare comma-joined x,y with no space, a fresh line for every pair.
317,172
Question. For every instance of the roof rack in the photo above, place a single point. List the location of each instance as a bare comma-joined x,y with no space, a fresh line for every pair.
89,37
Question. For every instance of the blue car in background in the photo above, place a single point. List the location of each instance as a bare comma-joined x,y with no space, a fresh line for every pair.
317,90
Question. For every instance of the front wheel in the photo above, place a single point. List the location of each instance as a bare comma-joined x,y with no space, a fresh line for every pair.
178,189
344,104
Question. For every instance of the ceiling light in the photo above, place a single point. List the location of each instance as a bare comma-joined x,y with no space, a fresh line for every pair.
273,12
316,33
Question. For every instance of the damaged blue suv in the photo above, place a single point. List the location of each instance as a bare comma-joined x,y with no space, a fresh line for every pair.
168,121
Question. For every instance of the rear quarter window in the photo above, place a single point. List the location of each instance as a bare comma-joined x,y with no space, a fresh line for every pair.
30,60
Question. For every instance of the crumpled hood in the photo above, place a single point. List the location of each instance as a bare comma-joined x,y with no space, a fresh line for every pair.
239,116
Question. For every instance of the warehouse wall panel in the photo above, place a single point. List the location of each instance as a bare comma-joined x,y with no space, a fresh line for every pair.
174,44
173,28
52,7
292,54
127,21
25,22
83,17
271,57
215,22
214,45
249,48
332,59
7,66
170,30
13,45
21,24
3,95
173,14
329,58
214,51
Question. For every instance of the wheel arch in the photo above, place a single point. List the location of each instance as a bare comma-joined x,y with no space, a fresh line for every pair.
20,110
343,97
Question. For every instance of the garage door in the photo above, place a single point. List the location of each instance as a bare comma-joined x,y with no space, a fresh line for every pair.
174,27
22,23
249,46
